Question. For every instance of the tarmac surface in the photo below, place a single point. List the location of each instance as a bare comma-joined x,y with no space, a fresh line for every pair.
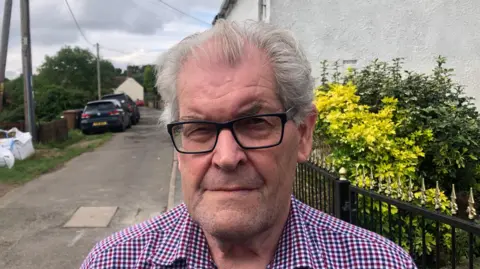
54,221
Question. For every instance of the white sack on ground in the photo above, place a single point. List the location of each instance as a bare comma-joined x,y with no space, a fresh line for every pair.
19,143
6,158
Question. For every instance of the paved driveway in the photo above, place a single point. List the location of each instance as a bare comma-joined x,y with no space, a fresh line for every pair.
131,173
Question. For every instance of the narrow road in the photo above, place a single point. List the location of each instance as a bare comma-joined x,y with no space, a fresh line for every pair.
130,174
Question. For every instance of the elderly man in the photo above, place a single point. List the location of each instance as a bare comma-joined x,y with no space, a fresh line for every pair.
240,116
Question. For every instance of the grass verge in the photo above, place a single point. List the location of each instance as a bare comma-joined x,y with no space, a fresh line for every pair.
49,157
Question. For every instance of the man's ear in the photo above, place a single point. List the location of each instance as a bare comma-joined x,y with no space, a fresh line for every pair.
306,130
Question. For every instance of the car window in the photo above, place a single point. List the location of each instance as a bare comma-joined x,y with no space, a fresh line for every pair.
115,97
100,107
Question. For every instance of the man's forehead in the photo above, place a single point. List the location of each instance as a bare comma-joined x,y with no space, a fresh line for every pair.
211,85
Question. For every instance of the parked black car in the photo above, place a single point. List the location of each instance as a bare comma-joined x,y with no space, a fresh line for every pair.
127,103
104,115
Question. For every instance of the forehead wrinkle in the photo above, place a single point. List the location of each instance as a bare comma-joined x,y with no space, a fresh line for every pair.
238,78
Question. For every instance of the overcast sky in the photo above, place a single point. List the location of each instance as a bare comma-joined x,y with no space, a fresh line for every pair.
128,31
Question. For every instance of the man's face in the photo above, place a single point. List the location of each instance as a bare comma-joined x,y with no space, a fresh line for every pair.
234,193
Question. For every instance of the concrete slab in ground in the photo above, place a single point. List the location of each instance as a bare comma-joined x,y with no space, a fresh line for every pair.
91,217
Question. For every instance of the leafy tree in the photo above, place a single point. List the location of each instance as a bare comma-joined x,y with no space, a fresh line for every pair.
13,101
70,67
76,68
66,80
107,76
148,79
14,92
54,99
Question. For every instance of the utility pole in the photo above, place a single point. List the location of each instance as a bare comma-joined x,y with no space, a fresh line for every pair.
27,69
7,14
98,73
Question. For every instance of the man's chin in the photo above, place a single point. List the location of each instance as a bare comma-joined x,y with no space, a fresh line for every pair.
233,225
231,221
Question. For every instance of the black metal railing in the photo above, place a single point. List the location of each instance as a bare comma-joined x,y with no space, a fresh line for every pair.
316,187
433,239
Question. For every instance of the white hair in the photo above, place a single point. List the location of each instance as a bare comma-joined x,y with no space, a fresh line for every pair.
291,68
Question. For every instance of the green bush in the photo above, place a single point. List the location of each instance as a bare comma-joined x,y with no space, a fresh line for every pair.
383,139
12,114
425,102
52,100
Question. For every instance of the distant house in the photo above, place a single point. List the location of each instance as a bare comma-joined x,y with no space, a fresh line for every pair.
131,87
354,33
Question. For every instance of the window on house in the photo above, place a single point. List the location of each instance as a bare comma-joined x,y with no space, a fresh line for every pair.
265,10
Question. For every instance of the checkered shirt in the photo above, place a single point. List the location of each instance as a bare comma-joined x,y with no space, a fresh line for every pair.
310,239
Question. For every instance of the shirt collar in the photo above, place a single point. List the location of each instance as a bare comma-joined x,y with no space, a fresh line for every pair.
186,241
294,249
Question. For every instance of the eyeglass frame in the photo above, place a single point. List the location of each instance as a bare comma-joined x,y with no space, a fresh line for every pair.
284,117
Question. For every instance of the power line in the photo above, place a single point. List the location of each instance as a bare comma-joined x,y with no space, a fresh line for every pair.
127,53
103,47
83,35
186,14
76,23
114,50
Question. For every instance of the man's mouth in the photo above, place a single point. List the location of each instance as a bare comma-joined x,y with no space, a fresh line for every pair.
232,189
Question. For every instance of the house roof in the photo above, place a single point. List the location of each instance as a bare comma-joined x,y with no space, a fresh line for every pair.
118,80
130,79
225,9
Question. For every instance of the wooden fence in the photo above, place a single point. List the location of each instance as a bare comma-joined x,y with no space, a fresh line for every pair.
54,131
9,125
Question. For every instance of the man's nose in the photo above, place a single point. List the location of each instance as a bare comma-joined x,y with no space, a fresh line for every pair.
228,154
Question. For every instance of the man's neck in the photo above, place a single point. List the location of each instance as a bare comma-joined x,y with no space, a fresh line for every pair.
255,253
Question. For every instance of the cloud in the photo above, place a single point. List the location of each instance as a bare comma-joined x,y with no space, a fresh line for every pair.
128,31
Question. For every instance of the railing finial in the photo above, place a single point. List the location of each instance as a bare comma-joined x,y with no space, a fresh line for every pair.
356,174
436,200
372,180
389,186
363,181
423,197
471,206
410,190
453,201
399,187
380,184
343,173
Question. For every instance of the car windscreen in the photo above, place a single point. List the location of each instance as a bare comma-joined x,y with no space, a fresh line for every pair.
100,107
116,97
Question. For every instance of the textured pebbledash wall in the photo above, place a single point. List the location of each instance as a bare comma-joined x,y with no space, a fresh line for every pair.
417,30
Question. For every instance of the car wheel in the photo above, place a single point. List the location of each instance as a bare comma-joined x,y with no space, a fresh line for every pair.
85,132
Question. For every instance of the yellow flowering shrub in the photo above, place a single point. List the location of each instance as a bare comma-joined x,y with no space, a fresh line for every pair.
361,137
365,143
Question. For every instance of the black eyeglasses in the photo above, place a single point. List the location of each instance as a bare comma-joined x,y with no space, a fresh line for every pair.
251,132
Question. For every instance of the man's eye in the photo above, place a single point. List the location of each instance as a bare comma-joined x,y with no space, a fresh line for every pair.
198,130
